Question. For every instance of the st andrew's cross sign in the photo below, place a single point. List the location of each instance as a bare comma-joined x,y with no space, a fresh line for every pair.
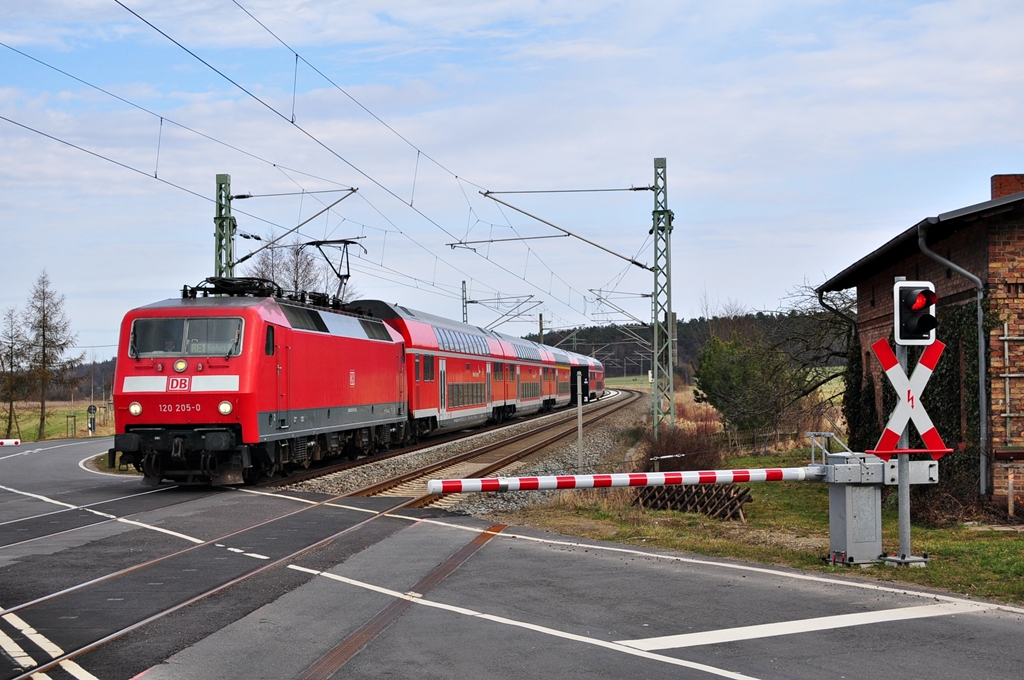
909,407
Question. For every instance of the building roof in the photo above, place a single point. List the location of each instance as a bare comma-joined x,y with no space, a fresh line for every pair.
905,245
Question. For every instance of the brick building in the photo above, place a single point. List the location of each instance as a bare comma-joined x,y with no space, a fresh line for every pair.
986,239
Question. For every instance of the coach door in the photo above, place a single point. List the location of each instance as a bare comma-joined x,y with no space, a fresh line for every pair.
284,386
584,373
442,382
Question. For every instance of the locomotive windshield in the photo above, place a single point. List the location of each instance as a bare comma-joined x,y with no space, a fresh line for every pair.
200,336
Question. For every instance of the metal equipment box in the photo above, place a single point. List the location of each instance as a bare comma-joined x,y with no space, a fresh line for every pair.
855,508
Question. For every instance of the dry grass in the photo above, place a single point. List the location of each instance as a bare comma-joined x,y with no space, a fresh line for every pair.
58,423
787,525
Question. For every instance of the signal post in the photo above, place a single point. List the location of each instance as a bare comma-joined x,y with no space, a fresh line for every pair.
914,324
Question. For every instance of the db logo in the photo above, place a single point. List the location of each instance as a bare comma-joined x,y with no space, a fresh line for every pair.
178,385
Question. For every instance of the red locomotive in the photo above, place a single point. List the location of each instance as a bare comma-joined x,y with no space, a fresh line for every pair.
235,381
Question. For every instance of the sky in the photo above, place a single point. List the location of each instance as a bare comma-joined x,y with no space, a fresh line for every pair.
799,136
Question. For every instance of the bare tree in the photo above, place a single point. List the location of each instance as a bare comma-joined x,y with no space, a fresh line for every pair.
292,266
50,337
13,365
266,263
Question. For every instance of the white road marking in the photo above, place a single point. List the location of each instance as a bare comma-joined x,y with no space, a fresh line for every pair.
352,507
59,533
22,453
720,672
16,652
105,515
308,501
276,495
160,529
40,450
712,637
40,498
89,505
257,556
121,475
47,646
863,585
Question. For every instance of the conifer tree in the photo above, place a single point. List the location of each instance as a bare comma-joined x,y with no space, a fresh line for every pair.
13,365
50,338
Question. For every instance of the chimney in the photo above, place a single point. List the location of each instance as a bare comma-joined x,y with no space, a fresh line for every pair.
1004,185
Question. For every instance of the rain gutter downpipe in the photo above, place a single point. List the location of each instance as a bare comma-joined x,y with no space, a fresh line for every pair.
922,235
846,318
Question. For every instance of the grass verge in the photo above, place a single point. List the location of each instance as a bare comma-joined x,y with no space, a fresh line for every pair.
787,525
99,463
64,420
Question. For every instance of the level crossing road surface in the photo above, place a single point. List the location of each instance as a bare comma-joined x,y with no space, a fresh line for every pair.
423,593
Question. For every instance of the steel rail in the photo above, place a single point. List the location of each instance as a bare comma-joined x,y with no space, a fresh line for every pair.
410,503
313,473
427,499
157,560
379,487
42,668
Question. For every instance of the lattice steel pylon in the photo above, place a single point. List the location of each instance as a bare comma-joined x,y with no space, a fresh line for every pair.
224,230
661,302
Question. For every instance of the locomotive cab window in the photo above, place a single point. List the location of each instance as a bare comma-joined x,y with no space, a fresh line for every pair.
201,336
269,347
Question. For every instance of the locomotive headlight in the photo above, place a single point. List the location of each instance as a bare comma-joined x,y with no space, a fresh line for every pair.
180,365
135,408
225,408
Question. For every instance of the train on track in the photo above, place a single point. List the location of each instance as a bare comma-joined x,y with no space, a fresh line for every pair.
236,381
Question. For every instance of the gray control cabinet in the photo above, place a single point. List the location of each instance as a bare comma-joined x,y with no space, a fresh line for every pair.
854,507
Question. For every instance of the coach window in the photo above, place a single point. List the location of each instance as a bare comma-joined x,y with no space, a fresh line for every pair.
428,368
417,363
269,348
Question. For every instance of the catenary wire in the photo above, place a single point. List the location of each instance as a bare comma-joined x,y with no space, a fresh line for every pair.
330,150
282,168
165,118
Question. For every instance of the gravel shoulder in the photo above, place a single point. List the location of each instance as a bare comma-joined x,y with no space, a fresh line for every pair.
604,448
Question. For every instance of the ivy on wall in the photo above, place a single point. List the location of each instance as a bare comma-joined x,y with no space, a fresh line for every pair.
951,399
859,401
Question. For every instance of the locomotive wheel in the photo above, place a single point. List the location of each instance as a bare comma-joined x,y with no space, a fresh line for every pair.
150,468
253,474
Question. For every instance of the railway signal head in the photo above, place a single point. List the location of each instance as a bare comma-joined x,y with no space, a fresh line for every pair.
914,310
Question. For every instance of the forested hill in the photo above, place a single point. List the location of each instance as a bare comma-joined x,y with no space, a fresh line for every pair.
618,347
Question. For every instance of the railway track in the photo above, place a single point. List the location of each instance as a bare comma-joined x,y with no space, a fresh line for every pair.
297,476
489,458
261,546
177,592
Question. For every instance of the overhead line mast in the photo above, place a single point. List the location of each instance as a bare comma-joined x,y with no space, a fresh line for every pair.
662,318
224,230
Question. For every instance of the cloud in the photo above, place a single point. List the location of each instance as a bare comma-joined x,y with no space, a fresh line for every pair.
800,136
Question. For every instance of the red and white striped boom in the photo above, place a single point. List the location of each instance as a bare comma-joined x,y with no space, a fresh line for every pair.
814,473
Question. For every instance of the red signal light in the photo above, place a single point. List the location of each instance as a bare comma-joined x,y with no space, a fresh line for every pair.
924,299
914,307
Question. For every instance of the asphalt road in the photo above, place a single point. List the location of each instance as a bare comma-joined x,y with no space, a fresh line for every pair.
525,604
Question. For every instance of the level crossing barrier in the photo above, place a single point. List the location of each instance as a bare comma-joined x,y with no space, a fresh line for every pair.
551,482
855,483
